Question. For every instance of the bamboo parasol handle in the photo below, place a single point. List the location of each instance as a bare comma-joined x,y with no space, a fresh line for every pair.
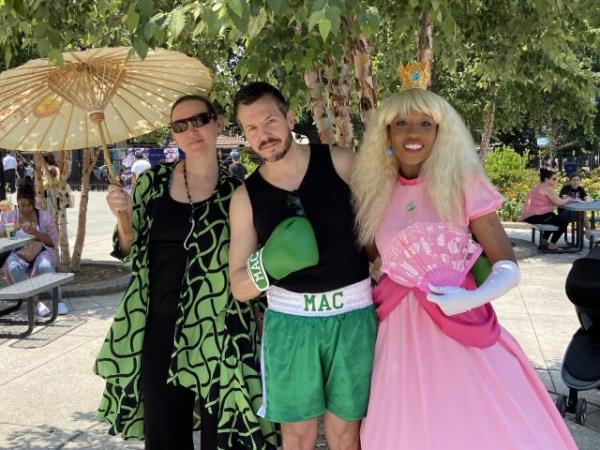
124,219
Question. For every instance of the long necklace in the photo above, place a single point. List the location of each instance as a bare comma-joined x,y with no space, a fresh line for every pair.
189,196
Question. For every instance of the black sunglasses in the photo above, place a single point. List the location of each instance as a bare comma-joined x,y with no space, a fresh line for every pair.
293,202
197,121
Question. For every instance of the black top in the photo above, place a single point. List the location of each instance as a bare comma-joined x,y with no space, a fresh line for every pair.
325,198
573,193
168,258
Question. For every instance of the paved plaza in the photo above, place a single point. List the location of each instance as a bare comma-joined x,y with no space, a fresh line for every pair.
49,395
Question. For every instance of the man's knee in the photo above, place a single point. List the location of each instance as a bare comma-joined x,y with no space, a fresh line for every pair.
342,434
299,435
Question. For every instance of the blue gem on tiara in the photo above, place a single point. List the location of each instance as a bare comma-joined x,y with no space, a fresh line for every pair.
413,76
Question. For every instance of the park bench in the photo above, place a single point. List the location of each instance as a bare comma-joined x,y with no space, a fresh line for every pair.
27,290
540,228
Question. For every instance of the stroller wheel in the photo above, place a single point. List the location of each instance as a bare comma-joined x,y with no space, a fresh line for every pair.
581,411
561,404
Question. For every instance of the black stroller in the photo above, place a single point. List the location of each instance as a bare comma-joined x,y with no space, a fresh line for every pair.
581,364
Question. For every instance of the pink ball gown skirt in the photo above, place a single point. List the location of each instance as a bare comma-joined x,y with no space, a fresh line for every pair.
430,392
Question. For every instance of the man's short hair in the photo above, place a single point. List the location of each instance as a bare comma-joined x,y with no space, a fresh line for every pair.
257,90
574,175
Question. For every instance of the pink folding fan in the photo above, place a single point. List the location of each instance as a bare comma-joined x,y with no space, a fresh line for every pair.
440,254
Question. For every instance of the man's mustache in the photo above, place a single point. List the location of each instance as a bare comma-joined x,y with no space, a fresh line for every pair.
268,142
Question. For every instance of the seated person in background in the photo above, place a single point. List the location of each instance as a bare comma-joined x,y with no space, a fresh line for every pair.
539,207
39,255
7,215
570,191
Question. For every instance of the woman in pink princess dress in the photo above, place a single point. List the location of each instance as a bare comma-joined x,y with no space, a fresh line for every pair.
446,375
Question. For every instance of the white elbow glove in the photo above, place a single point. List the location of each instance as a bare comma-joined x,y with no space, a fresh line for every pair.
455,300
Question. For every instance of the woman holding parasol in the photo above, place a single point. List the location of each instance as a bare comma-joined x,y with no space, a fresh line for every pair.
179,337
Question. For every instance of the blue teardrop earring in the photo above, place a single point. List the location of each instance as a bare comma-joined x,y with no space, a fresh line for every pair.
389,151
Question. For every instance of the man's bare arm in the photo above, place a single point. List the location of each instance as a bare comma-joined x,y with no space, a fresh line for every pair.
343,161
244,242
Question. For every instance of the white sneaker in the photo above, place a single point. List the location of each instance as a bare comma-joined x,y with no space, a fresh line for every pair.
63,309
42,310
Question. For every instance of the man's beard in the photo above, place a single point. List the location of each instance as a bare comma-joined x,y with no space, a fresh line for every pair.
281,154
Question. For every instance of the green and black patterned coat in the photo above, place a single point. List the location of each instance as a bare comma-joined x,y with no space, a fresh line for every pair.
216,341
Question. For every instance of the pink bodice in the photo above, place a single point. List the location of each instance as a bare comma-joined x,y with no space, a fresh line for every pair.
410,203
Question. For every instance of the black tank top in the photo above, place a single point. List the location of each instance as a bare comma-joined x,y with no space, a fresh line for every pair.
325,198
168,258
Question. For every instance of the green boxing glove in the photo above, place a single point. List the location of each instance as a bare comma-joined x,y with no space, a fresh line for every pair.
292,246
481,269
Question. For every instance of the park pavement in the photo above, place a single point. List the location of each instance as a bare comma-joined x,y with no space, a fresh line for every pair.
49,395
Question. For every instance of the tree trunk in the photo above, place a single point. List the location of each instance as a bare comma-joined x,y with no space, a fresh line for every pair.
425,47
89,161
488,125
365,84
40,198
60,199
321,114
339,89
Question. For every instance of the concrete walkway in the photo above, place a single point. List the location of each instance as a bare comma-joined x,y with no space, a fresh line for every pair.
48,394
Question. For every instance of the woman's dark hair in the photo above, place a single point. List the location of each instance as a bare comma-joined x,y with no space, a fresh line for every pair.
26,190
198,98
257,90
545,174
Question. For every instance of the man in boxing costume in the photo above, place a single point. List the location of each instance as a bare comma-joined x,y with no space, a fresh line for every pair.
292,235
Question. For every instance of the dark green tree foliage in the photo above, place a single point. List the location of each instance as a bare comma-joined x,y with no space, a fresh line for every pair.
532,59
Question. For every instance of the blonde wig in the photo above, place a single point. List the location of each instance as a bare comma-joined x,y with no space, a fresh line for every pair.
452,162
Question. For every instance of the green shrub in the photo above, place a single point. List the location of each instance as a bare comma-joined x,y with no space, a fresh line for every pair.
248,163
508,171
505,167
591,184
515,195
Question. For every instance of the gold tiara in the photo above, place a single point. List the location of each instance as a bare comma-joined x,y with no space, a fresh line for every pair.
413,76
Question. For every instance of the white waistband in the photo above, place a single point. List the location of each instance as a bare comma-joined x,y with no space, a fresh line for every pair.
338,301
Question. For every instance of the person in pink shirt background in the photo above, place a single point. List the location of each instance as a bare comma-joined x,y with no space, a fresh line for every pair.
539,208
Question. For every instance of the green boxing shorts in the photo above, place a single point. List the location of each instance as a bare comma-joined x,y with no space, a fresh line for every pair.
317,353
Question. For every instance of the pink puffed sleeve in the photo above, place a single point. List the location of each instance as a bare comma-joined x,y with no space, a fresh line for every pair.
481,198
